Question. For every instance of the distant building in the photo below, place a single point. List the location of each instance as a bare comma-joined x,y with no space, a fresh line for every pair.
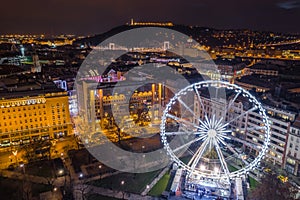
255,82
133,23
98,102
36,64
264,69
280,128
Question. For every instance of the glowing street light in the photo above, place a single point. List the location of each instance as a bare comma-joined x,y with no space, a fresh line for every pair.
202,167
23,167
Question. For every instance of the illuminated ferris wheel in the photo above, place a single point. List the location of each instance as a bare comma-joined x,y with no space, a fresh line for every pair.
206,129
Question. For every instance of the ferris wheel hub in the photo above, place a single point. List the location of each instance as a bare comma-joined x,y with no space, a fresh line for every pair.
212,133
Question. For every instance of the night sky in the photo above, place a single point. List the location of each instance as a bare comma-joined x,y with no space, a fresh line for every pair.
96,16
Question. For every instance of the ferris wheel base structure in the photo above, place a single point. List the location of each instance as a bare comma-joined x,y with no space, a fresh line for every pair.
195,188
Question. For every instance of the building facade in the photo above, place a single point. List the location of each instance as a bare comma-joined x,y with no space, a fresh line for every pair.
293,149
284,140
34,117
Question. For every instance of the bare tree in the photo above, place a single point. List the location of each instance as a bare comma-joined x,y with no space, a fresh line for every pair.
272,188
85,190
26,190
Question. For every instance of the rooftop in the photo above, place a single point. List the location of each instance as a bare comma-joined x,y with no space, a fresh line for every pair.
265,66
10,69
258,80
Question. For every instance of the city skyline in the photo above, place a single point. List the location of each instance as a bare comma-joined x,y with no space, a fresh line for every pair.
92,17
150,100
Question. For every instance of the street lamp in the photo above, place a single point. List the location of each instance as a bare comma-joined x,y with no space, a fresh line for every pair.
61,171
23,167
123,193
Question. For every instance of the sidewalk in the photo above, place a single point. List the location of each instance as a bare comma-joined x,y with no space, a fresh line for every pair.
68,165
21,176
57,182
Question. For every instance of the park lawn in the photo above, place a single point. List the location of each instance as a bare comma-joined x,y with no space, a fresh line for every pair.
253,183
185,159
79,158
232,168
134,183
160,186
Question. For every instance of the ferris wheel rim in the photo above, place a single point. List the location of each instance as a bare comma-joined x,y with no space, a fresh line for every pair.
239,172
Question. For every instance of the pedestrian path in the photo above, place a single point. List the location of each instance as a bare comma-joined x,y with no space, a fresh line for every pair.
151,185
55,182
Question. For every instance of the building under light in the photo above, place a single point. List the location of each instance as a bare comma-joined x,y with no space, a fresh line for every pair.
33,115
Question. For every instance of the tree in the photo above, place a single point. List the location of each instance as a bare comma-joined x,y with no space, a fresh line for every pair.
272,188
211,154
84,190
26,190
37,150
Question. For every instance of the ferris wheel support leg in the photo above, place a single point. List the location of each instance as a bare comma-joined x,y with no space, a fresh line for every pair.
196,158
222,159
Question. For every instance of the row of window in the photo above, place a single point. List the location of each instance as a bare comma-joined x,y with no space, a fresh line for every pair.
296,146
23,129
26,108
19,109
295,138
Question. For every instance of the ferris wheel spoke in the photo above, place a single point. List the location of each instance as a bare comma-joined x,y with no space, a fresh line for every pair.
187,107
204,124
176,133
219,122
213,121
182,120
232,101
236,153
223,136
221,158
240,115
192,112
188,144
185,133
198,155
200,100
